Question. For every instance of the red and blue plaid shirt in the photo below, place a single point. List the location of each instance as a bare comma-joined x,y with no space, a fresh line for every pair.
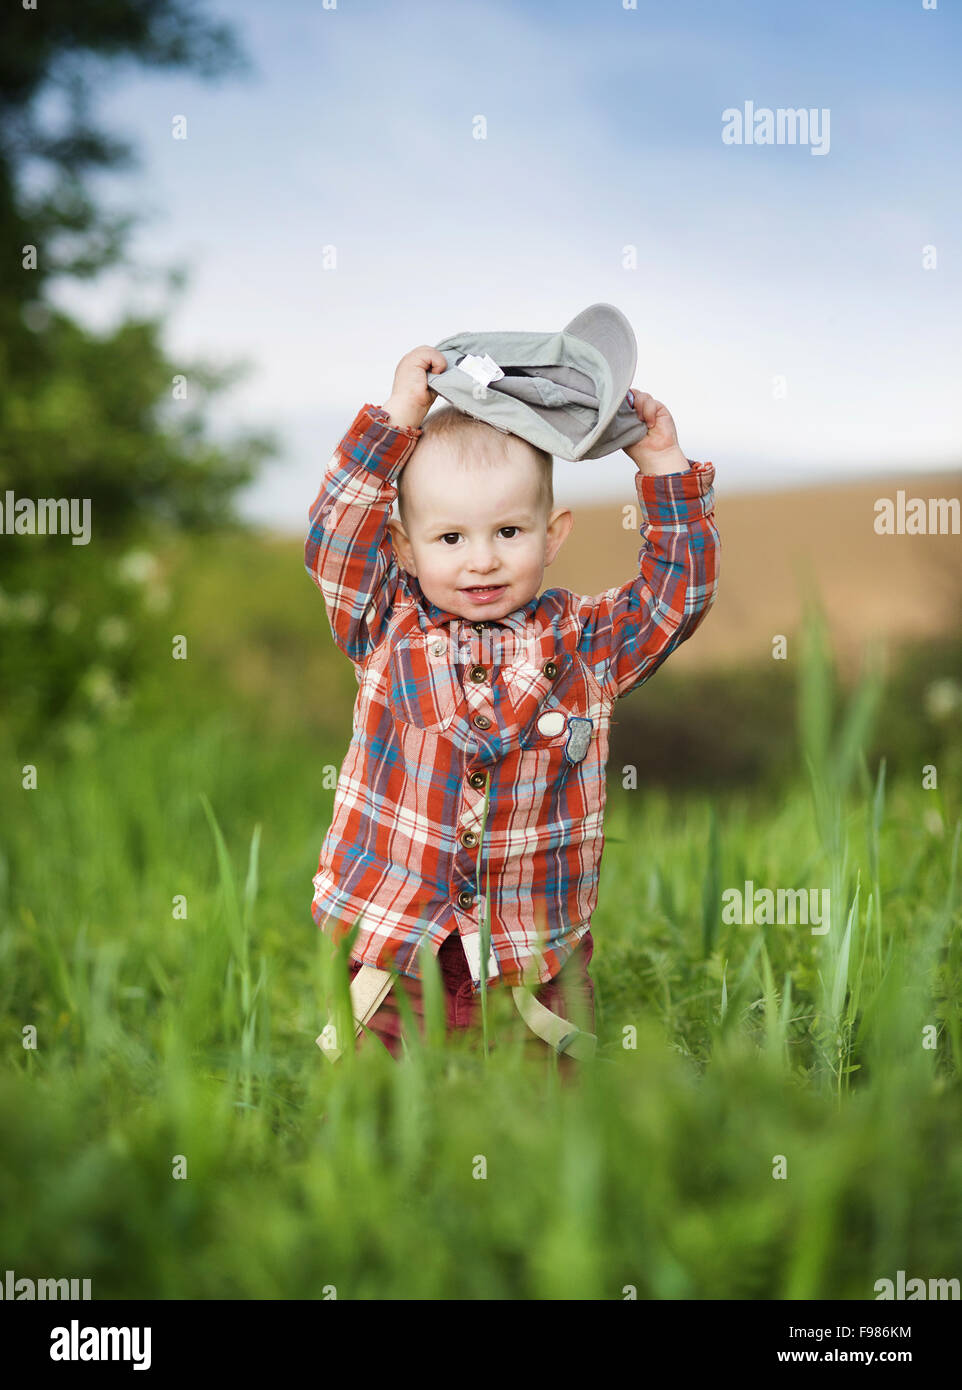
446,706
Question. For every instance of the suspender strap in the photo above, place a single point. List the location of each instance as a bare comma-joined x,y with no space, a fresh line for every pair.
370,987
556,1031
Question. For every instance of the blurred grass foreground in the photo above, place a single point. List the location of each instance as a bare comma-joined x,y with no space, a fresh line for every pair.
773,1112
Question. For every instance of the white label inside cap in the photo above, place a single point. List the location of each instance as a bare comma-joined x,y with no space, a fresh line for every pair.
481,369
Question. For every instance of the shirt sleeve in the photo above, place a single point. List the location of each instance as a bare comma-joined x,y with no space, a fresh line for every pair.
348,552
628,632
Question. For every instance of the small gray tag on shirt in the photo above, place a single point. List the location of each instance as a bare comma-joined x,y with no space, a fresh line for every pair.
579,736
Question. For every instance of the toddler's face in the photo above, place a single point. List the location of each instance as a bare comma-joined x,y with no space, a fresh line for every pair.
477,538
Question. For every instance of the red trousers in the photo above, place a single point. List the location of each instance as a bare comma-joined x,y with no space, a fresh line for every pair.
464,1008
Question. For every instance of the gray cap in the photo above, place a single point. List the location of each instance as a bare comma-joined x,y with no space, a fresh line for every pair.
565,392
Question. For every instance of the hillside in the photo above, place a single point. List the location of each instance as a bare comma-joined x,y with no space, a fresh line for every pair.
894,586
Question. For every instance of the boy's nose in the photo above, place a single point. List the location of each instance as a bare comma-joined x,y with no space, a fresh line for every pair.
483,562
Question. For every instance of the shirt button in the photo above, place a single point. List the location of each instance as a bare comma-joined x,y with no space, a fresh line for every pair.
477,673
437,649
479,627
469,839
551,723
477,780
550,670
481,721
466,900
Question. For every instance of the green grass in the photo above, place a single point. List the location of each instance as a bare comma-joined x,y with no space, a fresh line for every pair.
164,1039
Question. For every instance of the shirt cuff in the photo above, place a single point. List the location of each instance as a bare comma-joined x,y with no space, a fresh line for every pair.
677,498
374,443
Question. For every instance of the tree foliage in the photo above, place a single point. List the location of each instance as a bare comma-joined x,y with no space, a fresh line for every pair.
107,416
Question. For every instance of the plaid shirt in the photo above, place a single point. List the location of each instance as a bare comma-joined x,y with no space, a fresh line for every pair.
445,704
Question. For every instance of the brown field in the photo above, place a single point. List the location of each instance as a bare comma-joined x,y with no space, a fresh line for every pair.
775,545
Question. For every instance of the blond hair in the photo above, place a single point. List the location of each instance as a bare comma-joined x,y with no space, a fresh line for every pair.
472,441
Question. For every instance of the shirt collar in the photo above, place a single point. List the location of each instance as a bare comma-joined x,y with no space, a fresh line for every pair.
516,621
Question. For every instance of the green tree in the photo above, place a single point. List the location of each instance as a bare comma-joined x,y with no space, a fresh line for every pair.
82,415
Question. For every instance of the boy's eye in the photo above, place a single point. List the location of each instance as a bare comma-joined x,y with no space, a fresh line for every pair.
453,536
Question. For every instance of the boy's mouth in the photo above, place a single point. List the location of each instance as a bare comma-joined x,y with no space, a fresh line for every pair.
484,593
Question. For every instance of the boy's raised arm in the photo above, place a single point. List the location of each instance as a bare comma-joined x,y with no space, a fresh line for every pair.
348,552
627,632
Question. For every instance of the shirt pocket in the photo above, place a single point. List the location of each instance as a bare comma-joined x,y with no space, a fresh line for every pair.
560,769
554,725
422,682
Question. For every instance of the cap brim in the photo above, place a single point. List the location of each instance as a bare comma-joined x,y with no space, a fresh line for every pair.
607,329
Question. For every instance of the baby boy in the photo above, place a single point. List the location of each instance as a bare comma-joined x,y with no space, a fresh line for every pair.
474,692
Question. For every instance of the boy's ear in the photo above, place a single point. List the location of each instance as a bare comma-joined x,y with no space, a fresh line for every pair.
402,546
559,525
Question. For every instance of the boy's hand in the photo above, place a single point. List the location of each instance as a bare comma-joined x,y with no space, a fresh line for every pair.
659,451
411,397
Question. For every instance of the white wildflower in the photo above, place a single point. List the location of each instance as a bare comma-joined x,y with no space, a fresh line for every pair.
138,567
943,698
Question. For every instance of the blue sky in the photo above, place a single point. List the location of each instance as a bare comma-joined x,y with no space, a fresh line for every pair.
353,129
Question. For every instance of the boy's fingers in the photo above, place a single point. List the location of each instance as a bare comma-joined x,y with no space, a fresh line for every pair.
653,413
645,405
435,364
429,360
